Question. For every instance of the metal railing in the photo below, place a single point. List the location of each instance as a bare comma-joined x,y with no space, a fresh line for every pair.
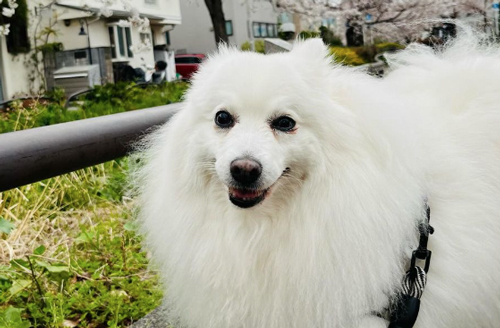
36,154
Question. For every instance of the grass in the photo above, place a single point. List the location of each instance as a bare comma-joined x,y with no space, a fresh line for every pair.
69,255
69,252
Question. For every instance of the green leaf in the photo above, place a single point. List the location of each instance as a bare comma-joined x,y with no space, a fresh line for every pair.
11,318
39,250
6,226
18,286
52,268
57,269
130,226
85,237
21,264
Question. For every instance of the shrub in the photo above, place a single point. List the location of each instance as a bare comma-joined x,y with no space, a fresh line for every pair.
388,46
367,53
259,46
246,46
346,56
304,35
329,37
103,100
50,47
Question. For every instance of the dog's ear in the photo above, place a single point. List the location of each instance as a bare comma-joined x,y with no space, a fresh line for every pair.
310,49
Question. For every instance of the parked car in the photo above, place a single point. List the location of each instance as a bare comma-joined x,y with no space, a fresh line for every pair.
186,65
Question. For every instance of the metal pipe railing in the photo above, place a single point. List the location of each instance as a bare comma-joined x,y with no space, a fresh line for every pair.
36,154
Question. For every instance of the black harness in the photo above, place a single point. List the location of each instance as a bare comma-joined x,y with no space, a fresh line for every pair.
405,312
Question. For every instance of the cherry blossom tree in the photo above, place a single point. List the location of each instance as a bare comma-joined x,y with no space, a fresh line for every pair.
395,19
481,9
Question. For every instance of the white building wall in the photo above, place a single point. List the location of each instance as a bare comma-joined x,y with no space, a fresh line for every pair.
15,72
241,24
97,33
195,34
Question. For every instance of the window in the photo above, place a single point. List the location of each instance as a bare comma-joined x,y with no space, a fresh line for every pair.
187,60
120,40
80,55
167,38
256,30
112,42
229,28
129,41
150,1
264,30
270,30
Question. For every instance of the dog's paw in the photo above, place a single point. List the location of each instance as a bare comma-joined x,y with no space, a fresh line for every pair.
373,322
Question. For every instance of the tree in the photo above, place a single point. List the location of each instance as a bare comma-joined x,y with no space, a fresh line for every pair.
218,20
481,8
395,19
390,18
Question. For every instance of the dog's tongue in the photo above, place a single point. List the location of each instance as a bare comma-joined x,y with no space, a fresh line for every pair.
242,193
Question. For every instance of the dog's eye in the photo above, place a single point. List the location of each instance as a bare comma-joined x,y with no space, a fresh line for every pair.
223,119
283,123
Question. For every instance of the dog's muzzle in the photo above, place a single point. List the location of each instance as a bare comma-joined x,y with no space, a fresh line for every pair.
244,191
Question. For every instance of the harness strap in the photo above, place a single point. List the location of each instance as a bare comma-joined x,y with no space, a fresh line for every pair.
406,310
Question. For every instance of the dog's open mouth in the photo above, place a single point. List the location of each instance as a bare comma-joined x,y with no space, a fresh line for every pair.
249,197
246,198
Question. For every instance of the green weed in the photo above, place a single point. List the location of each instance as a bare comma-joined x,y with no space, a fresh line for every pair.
69,257
69,254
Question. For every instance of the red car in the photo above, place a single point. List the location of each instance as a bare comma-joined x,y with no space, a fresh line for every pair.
186,65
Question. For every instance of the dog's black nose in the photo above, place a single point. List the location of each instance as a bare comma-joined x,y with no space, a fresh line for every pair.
245,170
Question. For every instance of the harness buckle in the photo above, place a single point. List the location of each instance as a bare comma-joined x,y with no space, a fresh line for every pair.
421,254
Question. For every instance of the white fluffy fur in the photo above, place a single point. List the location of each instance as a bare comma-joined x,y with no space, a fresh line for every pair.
329,246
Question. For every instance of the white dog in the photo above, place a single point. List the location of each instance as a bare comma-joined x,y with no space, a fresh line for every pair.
288,191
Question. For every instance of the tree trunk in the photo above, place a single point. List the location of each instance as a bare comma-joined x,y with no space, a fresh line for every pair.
218,20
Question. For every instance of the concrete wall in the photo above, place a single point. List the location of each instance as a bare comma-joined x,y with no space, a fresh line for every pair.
195,34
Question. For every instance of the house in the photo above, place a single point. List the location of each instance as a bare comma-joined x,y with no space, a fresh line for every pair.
66,33
245,21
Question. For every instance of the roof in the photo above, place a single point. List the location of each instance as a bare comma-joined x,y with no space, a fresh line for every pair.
74,12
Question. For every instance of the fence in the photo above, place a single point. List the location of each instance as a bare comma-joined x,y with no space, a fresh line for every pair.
40,153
